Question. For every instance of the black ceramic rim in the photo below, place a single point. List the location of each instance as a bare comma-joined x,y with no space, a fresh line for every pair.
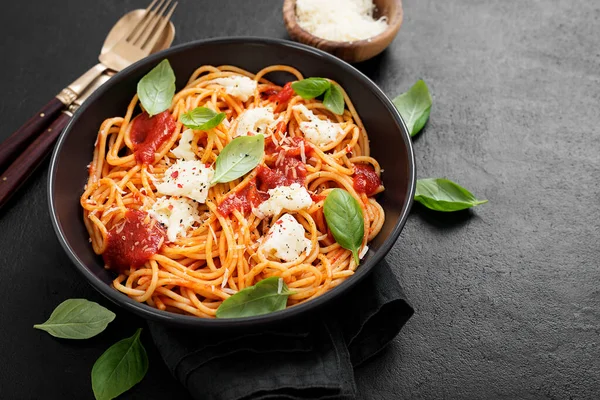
186,321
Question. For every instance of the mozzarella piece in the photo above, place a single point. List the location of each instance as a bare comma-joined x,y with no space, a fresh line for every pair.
241,87
256,120
177,214
316,130
187,178
291,198
286,239
184,148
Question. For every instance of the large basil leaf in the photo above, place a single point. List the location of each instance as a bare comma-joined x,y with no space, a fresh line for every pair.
345,220
238,158
77,319
120,368
311,87
157,88
264,297
202,119
334,99
444,195
414,106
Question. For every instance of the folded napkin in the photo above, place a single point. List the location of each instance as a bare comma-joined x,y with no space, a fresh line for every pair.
308,358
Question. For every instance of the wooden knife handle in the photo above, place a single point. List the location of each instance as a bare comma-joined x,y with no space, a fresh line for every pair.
14,145
21,169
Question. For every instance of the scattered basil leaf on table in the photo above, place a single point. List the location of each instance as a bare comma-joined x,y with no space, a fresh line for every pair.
157,88
202,118
238,158
345,220
334,100
77,319
414,106
264,297
119,368
444,195
310,88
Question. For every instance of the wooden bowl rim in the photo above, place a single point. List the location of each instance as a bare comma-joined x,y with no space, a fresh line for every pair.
289,16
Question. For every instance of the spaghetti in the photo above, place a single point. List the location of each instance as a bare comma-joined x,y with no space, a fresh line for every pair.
193,266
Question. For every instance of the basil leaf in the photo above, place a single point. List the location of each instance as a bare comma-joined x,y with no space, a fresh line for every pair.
334,100
311,87
414,106
77,319
262,298
157,88
238,158
444,195
120,368
202,119
345,220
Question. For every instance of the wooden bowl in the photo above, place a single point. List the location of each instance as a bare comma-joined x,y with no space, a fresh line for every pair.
352,52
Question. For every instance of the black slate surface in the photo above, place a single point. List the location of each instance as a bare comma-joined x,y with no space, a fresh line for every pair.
506,297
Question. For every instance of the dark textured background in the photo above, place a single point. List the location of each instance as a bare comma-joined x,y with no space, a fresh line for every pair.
506,297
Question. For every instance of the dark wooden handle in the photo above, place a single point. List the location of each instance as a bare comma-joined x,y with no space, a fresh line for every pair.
20,170
16,143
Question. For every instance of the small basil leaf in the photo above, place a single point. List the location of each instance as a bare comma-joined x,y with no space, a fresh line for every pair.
311,87
334,100
202,119
120,368
414,106
444,195
77,319
262,298
157,88
345,220
238,158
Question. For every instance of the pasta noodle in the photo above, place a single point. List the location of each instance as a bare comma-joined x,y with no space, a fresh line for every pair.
221,251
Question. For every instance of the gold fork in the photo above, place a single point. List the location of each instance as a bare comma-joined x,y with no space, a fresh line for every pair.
136,44
133,40
140,41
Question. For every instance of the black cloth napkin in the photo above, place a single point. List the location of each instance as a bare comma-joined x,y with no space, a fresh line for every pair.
308,358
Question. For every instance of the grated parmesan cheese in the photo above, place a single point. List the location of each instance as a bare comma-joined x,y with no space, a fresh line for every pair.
225,277
339,20
363,252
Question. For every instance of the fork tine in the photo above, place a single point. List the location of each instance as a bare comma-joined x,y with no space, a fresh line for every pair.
149,45
141,25
149,29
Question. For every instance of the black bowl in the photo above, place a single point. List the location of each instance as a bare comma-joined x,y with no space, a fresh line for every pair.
390,144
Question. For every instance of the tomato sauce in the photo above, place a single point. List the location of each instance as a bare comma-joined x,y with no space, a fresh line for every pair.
281,98
291,150
132,242
317,197
286,172
149,133
243,200
283,168
365,179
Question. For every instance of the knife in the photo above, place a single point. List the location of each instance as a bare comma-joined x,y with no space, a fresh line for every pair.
37,151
